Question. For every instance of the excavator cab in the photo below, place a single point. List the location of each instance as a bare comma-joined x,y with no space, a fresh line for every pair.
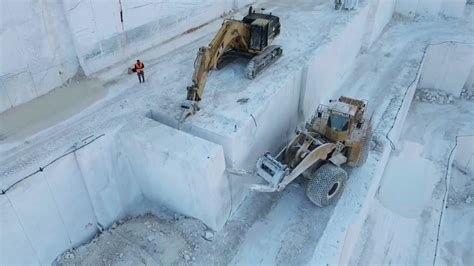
263,29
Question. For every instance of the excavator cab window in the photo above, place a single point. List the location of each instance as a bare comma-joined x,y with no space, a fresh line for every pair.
259,34
338,122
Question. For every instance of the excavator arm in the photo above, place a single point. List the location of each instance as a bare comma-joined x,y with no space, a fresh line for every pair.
233,35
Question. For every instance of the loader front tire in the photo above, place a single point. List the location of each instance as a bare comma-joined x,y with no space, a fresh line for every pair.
326,185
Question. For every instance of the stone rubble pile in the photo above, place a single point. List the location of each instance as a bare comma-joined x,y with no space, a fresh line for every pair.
434,96
468,94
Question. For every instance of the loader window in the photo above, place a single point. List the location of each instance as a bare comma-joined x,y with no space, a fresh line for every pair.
338,122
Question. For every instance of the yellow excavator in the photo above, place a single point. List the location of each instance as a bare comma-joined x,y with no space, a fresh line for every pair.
247,38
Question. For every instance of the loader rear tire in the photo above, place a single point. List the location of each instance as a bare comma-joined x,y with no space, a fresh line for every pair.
326,185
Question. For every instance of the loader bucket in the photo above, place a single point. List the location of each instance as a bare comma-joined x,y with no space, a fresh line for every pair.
271,170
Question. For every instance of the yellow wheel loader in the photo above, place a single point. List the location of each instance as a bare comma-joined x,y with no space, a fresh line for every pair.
338,134
247,38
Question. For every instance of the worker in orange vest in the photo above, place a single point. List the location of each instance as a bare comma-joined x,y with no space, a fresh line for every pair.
139,66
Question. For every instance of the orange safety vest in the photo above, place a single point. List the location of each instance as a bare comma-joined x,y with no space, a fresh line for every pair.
139,67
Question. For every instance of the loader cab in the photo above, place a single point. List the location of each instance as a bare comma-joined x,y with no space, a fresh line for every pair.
340,116
337,128
263,29
338,122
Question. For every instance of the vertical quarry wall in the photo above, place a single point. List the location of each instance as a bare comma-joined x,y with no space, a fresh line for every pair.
448,67
181,171
380,13
73,197
66,203
470,80
106,32
36,50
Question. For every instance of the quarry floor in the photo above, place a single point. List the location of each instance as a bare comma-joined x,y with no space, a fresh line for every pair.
281,228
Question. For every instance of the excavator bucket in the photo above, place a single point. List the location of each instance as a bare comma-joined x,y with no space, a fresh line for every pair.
188,108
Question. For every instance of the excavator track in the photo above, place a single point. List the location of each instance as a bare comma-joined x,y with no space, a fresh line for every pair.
263,60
